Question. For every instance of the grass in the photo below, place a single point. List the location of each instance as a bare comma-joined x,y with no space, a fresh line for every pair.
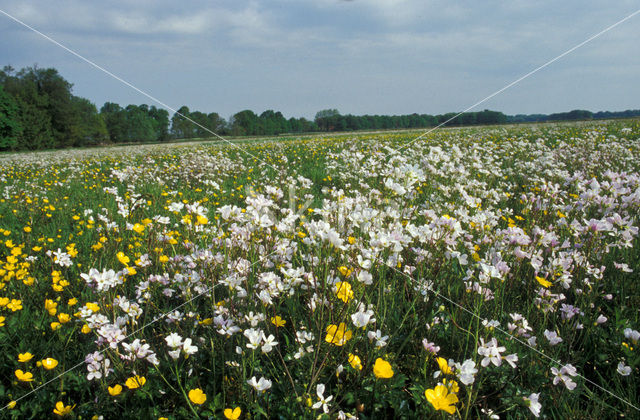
459,261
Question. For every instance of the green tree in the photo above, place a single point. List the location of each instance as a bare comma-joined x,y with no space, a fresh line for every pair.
325,118
160,122
139,125
115,121
181,128
201,129
245,123
216,123
55,98
10,127
88,127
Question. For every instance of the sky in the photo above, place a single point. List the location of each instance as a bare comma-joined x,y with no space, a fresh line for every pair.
359,56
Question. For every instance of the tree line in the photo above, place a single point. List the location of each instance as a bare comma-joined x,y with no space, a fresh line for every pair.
39,111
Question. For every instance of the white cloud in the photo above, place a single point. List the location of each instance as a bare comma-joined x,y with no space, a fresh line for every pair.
137,23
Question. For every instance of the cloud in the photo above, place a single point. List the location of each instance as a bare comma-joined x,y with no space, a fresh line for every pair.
370,55
136,23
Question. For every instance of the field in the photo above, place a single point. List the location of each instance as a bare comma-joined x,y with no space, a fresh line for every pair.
475,273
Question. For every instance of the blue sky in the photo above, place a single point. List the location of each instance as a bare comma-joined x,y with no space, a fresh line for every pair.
359,56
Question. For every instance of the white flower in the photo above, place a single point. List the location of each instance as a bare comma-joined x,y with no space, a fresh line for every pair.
381,340
362,318
511,359
624,370
175,207
94,371
262,385
254,337
466,371
323,402
491,352
553,337
62,258
269,342
490,324
632,335
188,348
173,340
431,347
533,404
564,375
365,277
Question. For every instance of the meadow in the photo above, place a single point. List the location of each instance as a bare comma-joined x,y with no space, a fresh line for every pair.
487,272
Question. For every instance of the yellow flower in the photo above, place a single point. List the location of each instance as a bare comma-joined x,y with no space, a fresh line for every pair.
49,363
25,357
55,325
338,334
355,361
92,306
135,382
50,306
15,305
197,396
444,366
351,240
202,220
72,301
115,390
64,318
123,258
441,399
12,404
27,229
345,271
138,228
61,409
24,376
451,385
206,321
85,329
545,283
232,414
344,291
277,321
2,319
382,369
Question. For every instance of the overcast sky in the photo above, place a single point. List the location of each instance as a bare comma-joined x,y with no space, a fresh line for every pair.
359,56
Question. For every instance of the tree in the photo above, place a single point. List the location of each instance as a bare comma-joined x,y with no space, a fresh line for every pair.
181,128
160,122
216,123
201,129
88,126
115,121
55,98
139,125
245,123
325,117
10,127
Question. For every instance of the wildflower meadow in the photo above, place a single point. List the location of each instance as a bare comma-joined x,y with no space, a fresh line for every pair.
487,272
